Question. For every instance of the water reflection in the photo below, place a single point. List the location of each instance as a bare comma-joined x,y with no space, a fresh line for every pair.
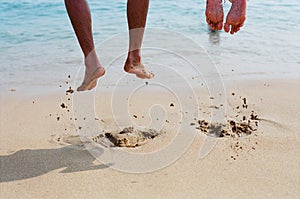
214,37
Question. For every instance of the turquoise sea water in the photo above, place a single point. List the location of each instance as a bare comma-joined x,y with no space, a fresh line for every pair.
38,45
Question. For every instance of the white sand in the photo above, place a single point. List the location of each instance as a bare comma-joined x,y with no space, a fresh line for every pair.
268,165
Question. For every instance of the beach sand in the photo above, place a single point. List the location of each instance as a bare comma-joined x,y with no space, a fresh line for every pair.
40,156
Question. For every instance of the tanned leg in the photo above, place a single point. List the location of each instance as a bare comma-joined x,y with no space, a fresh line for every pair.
136,16
80,16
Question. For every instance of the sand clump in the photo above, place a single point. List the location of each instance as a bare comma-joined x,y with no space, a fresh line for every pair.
237,129
128,137
232,128
237,132
241,125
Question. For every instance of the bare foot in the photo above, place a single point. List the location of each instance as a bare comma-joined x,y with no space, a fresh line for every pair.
135,66
236,16
90,79
214,14
93,70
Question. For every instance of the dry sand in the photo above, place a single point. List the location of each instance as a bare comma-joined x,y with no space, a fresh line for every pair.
41,157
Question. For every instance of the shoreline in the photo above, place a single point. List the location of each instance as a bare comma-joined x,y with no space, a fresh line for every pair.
59,87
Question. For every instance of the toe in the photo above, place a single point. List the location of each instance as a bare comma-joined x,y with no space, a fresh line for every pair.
238,27
232,30
139,70
80,88
211,25
226,27
145,75
217,26
220,26
150,76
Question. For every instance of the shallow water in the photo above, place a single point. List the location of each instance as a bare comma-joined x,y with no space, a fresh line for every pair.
38,46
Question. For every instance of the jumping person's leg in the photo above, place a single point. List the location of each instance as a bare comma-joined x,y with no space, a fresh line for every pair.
80,17
236,16
136,16
214,14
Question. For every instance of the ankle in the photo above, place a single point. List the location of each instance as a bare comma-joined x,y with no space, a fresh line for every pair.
91,60
134,56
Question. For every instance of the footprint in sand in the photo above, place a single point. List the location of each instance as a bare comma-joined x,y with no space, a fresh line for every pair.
230,129
128,137
240,126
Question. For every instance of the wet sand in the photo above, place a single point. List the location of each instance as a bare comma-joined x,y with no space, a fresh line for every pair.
42,157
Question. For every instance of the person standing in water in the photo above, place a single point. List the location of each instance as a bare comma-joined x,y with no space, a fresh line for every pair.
137,10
